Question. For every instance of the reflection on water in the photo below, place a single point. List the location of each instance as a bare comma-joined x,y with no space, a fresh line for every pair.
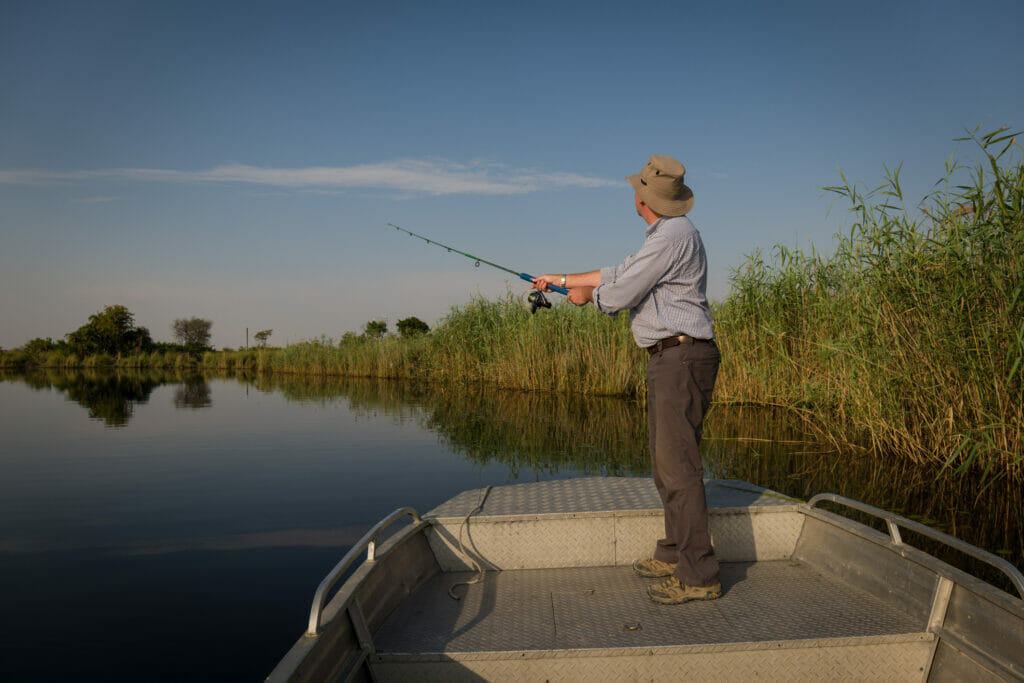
606,436
599,436
559,435
767,449
113,396
108,397
194,392
520,430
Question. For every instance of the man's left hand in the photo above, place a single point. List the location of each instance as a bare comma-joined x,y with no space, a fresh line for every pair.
581,295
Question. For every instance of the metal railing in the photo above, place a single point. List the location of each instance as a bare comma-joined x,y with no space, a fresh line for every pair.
894,522
368,543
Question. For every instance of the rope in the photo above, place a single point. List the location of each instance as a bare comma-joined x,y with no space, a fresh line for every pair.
479,570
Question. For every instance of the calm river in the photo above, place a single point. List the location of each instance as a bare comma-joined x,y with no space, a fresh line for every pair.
157,527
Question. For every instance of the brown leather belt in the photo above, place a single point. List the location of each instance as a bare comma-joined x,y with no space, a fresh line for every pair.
669,342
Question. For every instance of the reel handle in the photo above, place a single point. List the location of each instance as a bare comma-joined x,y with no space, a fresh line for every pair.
553,288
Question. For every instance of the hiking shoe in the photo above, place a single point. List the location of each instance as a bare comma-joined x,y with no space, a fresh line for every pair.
652,568
672,592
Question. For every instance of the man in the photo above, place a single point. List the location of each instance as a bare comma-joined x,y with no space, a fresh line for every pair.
664,288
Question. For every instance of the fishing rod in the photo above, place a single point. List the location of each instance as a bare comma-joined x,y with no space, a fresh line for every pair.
536,298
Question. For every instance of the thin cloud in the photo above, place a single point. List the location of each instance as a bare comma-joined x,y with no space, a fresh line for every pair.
94,200
27,177
434,177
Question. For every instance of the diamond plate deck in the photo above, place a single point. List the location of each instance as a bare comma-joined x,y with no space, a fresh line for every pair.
589,619
606,607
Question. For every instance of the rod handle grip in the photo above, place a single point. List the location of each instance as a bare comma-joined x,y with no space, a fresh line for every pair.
553,288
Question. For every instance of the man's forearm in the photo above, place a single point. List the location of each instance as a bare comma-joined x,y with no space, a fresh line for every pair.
568,280
589,279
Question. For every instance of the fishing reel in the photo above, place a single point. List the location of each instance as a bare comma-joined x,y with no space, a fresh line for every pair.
537,300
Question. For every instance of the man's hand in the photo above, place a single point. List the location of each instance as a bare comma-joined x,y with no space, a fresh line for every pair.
541,282
581,296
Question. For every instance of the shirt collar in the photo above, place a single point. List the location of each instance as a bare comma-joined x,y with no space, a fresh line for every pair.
653,227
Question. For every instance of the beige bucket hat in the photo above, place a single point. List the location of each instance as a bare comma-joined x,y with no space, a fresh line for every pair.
660,185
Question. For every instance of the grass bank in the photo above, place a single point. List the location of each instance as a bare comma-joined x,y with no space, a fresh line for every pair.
565,349
19,359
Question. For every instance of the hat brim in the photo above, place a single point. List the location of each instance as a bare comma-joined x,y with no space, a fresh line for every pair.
660,205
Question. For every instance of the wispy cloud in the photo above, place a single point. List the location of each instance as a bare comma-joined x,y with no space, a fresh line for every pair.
94,200
434,177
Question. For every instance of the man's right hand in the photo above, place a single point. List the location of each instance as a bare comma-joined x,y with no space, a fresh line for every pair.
541,282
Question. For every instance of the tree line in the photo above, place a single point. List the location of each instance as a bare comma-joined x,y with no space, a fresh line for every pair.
407,327
113,331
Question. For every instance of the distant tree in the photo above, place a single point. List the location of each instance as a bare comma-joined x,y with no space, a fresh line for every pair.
350,338
376,329
142,340
262,336
411,326
39,345
112,331
192,333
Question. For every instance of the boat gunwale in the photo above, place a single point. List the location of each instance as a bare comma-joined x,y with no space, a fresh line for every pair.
920,557
341,600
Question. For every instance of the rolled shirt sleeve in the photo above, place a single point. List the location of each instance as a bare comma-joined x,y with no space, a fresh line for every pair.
629,283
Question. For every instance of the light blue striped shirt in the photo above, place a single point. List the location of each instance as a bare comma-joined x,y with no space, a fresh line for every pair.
664,285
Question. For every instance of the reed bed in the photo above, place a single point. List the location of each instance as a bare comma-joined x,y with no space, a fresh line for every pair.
910,338
69,360
565,350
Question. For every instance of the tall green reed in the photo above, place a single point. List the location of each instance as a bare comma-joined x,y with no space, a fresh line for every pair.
910,338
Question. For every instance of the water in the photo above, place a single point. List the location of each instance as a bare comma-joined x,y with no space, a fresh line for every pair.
171,531
158,527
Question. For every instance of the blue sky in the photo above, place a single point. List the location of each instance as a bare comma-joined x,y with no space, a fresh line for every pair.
239,161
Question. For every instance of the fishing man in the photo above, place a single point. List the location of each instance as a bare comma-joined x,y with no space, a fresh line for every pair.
663,286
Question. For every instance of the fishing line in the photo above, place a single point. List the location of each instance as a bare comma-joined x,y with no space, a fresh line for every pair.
536,298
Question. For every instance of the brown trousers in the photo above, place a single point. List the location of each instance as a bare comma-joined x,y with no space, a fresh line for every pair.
680,381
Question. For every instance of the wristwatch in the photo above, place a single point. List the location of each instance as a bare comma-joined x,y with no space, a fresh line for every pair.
563,281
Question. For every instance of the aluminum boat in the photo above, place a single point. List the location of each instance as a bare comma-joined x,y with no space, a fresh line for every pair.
534,582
